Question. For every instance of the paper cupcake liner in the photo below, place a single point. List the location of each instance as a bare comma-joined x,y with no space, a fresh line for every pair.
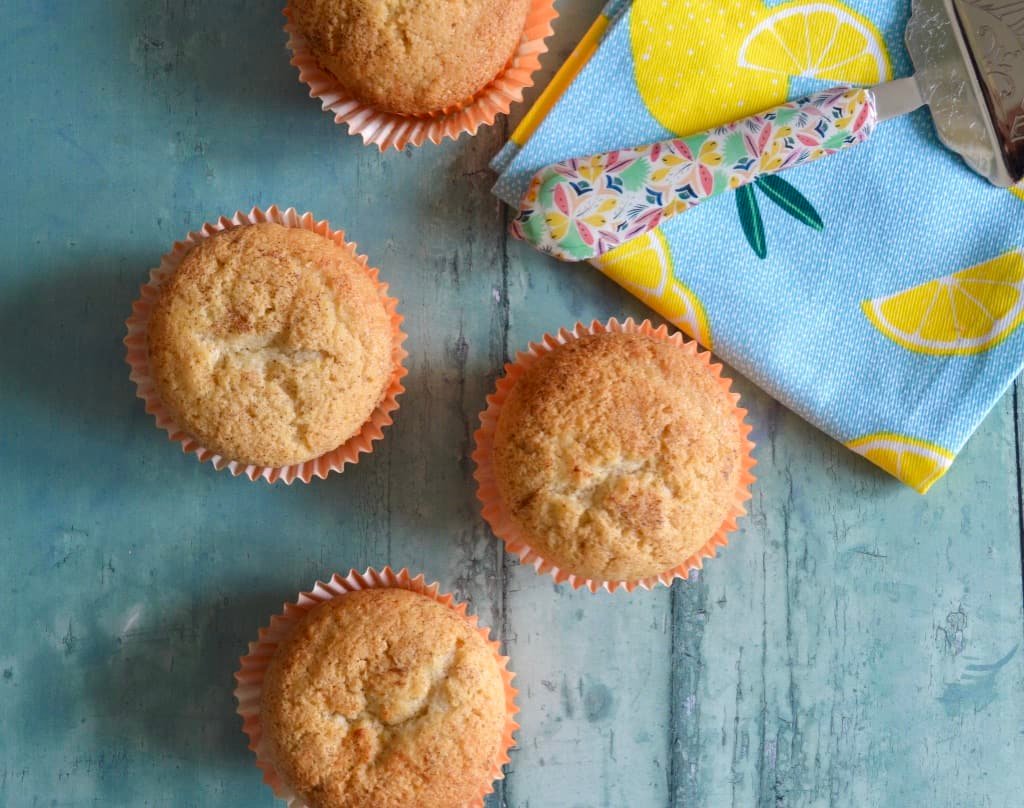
514,538
253,666
387,130
138,355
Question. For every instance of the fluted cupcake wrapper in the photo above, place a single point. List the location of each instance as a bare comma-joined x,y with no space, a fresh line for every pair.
387,130
253,666
502,525
137,357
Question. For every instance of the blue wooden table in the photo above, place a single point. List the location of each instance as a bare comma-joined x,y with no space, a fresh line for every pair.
855,645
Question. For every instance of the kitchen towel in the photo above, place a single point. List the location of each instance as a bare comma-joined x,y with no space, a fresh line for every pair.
878,293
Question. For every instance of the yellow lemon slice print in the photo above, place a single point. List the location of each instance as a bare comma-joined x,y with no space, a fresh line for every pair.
644,266
703,63
918,463
966,313
817,41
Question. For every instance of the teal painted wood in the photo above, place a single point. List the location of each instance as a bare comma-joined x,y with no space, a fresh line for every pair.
835,654
860,644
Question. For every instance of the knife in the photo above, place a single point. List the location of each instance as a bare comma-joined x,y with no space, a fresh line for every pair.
969,61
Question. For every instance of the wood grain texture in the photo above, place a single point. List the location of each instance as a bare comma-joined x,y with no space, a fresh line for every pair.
851,649
855,644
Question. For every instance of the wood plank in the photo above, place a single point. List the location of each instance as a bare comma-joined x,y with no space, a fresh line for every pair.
595,668
1018,437
859,644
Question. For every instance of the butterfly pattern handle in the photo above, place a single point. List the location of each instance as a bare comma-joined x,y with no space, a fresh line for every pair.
582,208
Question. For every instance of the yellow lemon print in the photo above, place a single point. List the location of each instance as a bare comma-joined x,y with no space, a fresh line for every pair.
918,463
704,63
644,266
968,312
1018,190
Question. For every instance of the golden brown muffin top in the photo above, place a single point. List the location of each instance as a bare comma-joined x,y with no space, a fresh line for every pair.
384,697
270,345
618,456
412,56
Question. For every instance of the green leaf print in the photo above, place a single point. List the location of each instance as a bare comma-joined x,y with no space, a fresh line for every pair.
575,246
750,220
836,142
547,188
734,149
534,227
721,182
634,177
790,200
785,115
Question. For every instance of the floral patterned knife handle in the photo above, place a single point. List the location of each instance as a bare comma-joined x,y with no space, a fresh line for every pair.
581,208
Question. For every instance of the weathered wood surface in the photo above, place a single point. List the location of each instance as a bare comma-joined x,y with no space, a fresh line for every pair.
855,645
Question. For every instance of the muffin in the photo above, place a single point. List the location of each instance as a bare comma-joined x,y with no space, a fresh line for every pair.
618,456
270,345
383,697
411,58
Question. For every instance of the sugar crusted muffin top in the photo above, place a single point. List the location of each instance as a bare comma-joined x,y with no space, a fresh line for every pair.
617,455
412,56
384,697
270,345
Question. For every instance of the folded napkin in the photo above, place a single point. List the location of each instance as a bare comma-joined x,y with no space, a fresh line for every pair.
878,293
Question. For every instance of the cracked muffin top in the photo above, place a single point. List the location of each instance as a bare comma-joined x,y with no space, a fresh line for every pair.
412,56
384,697
618,456
270,345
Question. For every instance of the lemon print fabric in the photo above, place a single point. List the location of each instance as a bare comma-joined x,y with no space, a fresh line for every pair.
703,63
918,463
968,312
878,293
700,64
644,267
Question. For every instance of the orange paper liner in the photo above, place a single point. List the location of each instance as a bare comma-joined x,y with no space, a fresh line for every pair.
138,355
487,490
388,130
253,665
